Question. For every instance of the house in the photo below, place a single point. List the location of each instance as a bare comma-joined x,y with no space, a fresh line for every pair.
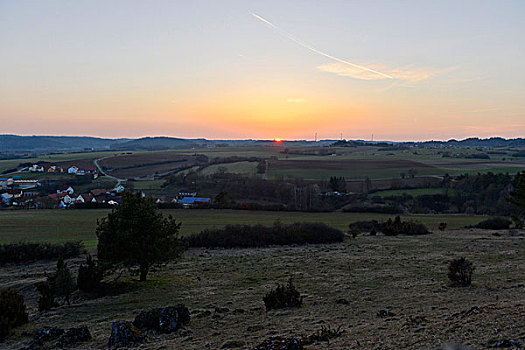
6,198
55,169
119,189
190,201
68,199
187,193
27,194
57,196
85,198
66,189
72,170
25,184
162,199
35,168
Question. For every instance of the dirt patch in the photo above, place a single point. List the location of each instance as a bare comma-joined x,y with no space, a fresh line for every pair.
144,164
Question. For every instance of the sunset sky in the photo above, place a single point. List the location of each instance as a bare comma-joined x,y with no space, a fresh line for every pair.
401,70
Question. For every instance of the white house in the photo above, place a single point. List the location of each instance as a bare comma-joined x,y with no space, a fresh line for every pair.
119,189
85,198
35,168
72,170
66,189
67,199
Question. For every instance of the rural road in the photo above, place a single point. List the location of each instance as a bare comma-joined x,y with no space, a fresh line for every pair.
104,173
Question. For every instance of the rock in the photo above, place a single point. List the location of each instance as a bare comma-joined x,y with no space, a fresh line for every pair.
164,319
74,336
280,343
44,334
221,310
385,313
506,343
342,301
231,344
124,333
169,320
147,319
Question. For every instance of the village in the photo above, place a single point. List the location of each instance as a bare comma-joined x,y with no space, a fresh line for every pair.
19,192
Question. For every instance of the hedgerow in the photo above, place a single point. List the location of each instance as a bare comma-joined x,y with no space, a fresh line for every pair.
23,252
244,236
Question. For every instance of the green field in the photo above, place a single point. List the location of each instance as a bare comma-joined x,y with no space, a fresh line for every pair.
64,225
246,168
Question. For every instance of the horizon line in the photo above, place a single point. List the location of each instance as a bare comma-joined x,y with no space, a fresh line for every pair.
261,139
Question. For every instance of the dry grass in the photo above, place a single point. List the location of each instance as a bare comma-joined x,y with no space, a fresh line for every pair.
343,285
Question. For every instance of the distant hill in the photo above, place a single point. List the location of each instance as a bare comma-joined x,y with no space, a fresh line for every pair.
15,143
474,142
43,144
158,143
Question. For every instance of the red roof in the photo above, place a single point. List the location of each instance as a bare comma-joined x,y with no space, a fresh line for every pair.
98,191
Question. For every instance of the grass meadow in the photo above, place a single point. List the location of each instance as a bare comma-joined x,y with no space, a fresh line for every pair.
63,225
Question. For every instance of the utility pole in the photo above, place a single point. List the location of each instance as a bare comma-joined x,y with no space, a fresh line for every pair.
315,137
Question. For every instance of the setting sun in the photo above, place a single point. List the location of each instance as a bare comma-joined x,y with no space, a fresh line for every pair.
277,140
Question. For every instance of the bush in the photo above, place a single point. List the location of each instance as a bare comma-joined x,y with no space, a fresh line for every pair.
59,284
12,311
260,236
283,296
89,276
47,297
23,252
460,272
398,227
494,224
61,281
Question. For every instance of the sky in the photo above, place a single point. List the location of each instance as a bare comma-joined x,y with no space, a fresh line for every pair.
397,70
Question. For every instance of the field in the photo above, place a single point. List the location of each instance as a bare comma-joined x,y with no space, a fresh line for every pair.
361,162
53,158
64,225
413,192
246,168
344,285
311,163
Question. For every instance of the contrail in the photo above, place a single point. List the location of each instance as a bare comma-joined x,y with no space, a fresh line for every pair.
313,49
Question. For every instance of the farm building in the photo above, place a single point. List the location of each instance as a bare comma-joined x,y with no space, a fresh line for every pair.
190,201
